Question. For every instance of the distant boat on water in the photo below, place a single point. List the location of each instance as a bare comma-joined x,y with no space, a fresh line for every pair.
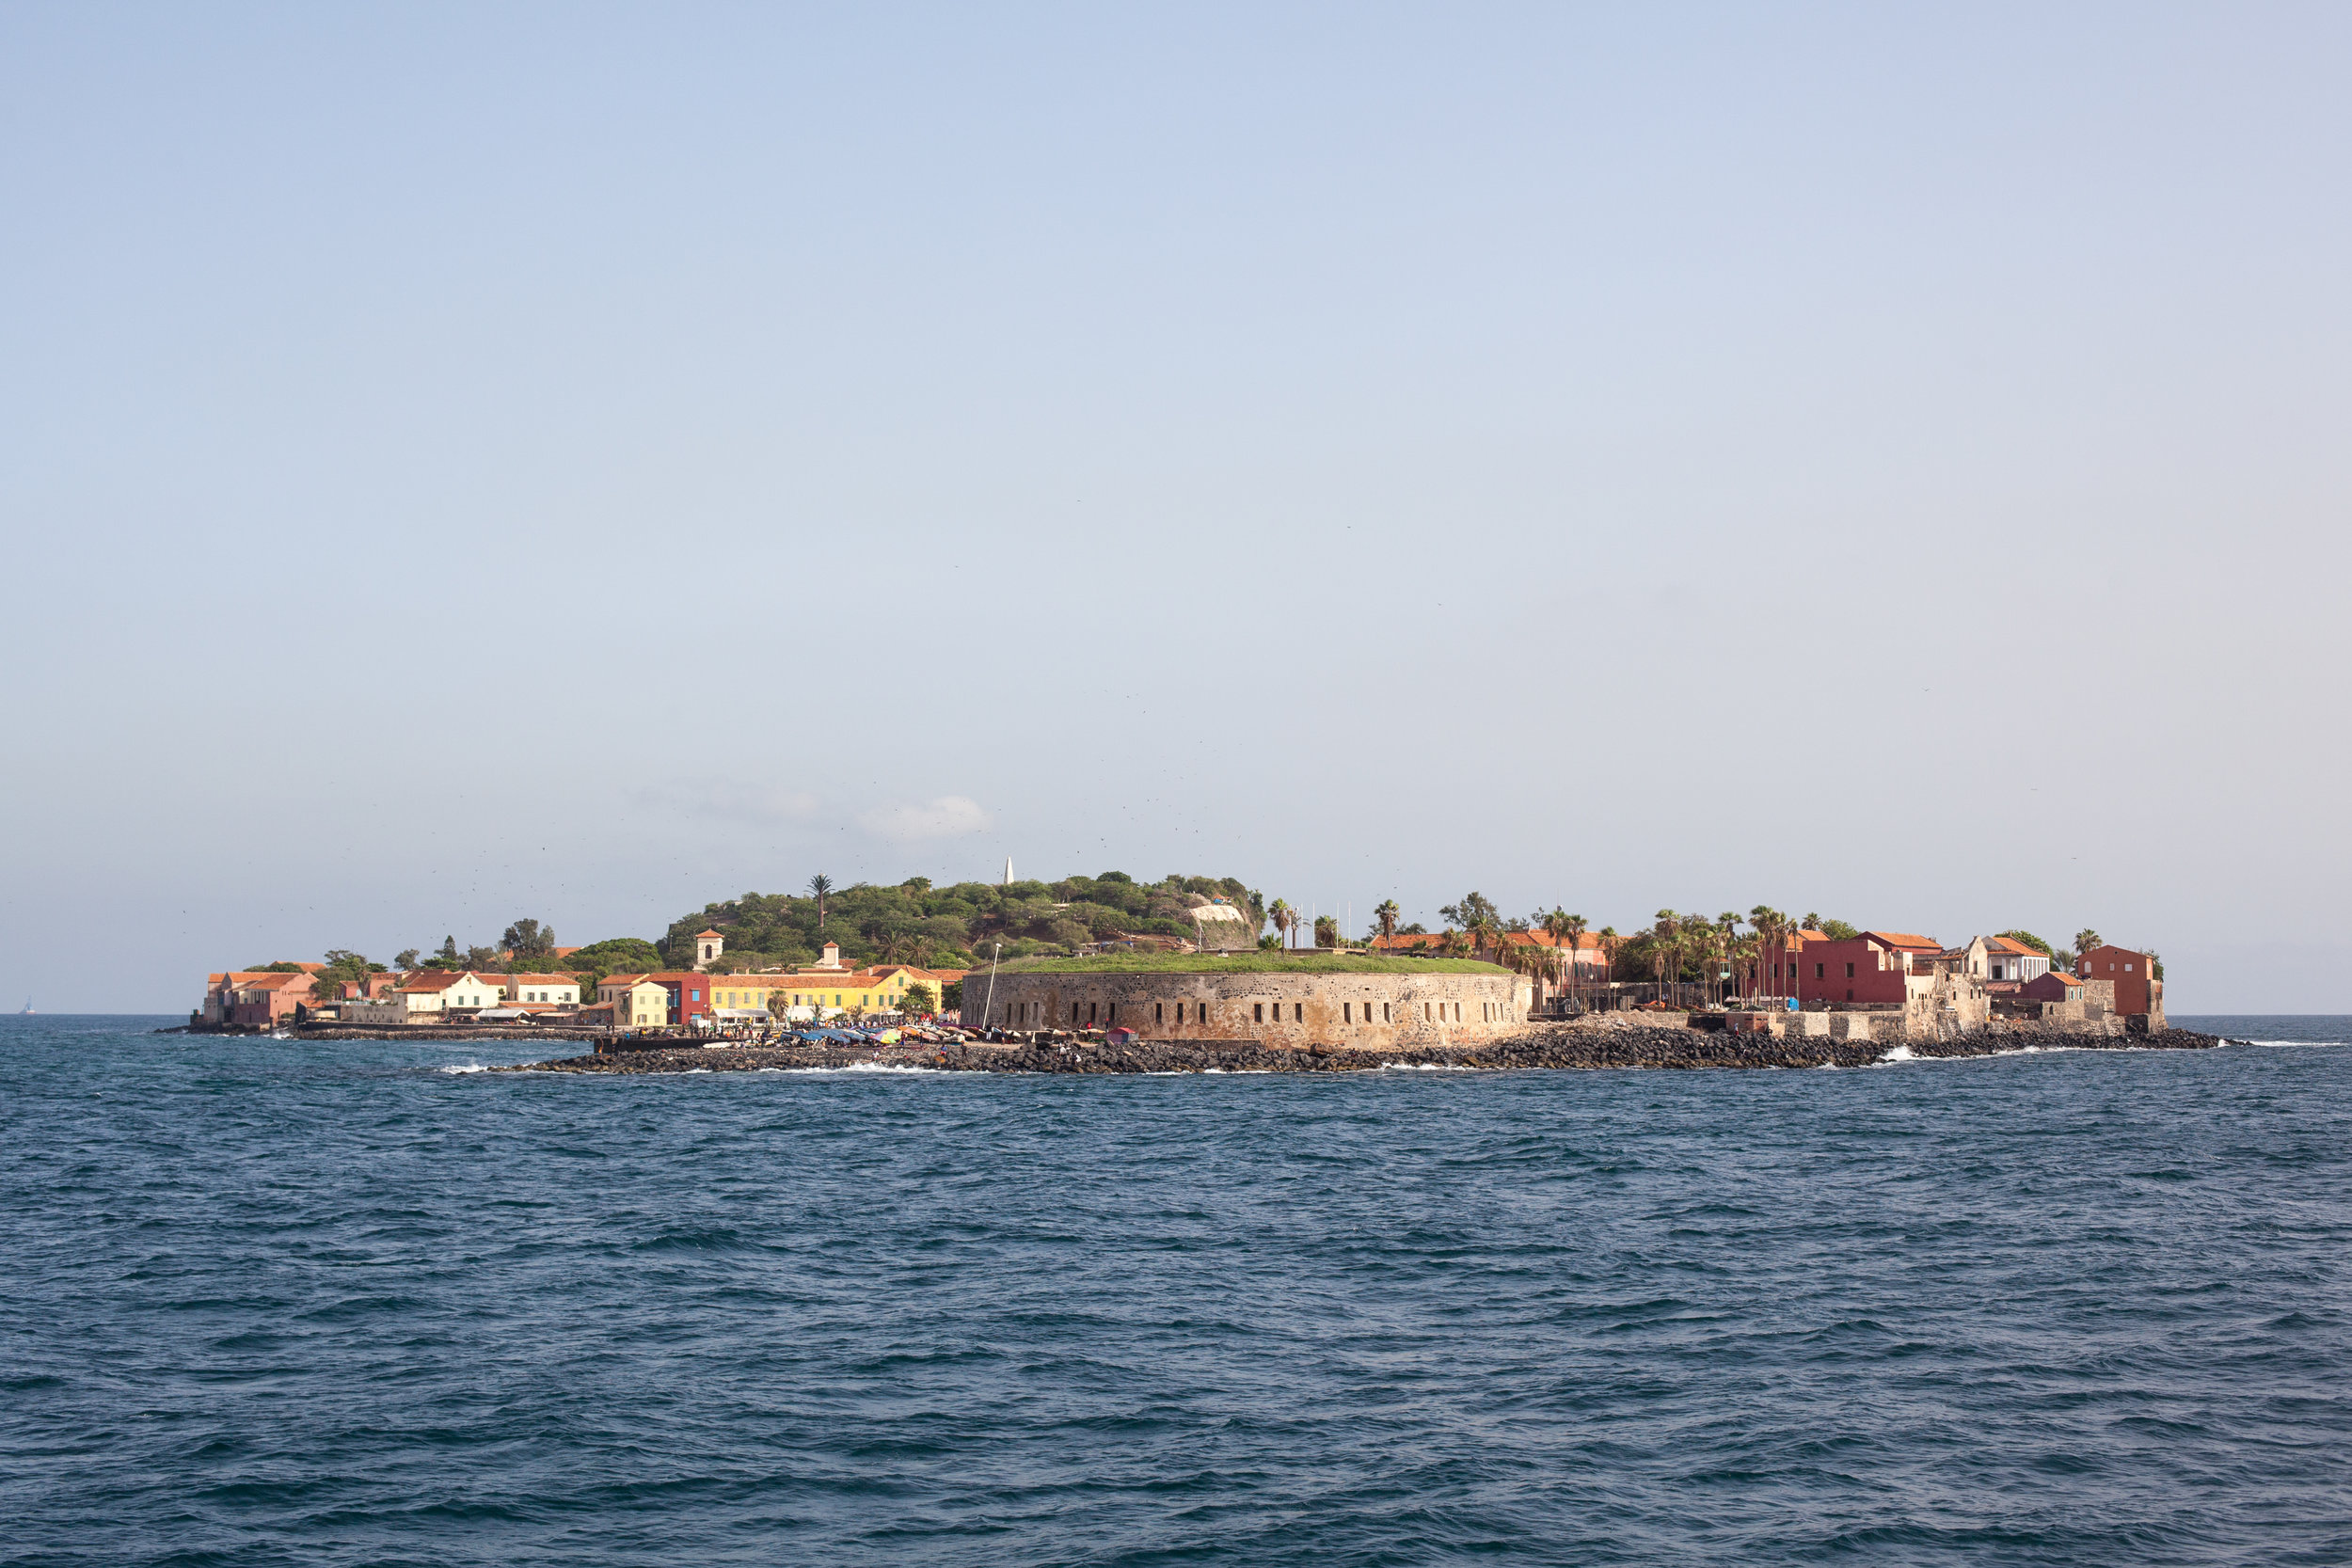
26,1008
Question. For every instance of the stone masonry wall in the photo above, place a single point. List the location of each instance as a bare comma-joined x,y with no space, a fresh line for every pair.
1340,1008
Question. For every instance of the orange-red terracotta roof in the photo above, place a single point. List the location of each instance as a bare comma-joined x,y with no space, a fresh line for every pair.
1907,941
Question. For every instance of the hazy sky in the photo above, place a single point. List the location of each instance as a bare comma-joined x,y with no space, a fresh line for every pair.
584,462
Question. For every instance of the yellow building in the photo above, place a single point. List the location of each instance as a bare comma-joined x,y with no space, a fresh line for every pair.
637,1001
829,989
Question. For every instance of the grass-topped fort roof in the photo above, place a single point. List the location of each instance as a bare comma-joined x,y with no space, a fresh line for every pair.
1245,963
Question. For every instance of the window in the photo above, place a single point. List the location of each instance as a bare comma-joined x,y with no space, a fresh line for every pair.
1850,975
1257,1010
1298,1011
1384,1013
1158,1012
2127,969
1347,1012
1820,971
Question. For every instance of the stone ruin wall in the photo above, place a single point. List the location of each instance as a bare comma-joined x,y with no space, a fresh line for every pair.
1424,1011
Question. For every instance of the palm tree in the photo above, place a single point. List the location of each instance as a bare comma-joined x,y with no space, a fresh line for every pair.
1665,956
1557,927
818,886
1609,945
1453,944
1728,924
893,944
1700,933
1284,920
1575,924
1740,952
2085,940
1485,935
1768,922
1387,913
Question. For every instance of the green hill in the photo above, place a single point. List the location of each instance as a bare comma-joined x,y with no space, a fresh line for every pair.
951,927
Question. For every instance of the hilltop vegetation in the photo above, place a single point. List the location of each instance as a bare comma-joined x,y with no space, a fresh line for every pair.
951,928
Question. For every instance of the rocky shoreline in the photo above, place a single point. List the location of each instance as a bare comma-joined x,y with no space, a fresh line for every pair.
1554,1046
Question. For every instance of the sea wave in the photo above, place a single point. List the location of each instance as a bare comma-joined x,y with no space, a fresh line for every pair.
948,1305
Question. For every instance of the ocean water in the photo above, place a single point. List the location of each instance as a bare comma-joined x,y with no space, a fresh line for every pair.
268,1303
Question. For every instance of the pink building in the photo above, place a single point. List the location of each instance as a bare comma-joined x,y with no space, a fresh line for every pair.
227,991
267,1001
1773,971
1874,967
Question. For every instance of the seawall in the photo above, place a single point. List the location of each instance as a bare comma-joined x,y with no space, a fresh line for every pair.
1558,1046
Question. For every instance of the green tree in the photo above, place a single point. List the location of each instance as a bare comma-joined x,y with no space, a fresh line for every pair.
1771,946
1279,912
405,959
819,888
1385,914
920,999
1666,955
2087,939
1474,909
344,967
1838,930
448,953
892,943
2030,941
1486,933
1327,931
530,941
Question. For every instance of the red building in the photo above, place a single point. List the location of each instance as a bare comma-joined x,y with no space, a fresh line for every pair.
690,993
1773,969
1876,966
2133,975
2052,987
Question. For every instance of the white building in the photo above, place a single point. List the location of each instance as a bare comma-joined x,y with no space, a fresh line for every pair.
428,996
2007,958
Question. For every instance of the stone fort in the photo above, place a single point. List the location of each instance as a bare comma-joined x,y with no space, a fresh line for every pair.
1335,1006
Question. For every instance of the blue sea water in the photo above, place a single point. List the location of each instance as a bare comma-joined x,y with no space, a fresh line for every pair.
270,1303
